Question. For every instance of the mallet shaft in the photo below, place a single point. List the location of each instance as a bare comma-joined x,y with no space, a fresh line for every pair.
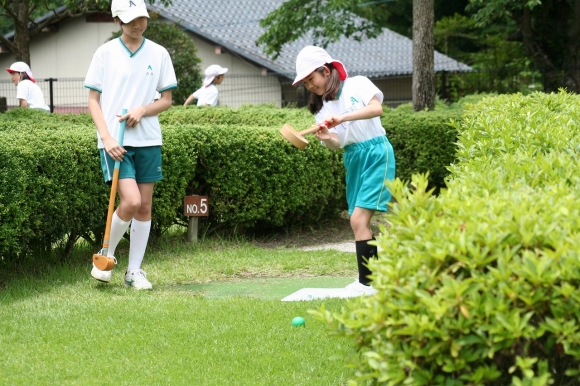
313,129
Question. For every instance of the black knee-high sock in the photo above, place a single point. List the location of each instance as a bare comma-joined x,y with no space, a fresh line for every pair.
364,252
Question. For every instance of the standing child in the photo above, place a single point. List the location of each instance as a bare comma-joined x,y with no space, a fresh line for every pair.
27,91
125,73
208,94
349,110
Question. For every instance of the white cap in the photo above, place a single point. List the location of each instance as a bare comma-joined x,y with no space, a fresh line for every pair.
211,72
21,67
311,58
129,10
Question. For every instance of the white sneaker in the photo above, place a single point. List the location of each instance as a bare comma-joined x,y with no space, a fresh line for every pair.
356,289
104,276
137,279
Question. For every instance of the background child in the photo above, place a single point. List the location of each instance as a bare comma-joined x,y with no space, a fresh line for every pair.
208,94
27,91
349,110
134,87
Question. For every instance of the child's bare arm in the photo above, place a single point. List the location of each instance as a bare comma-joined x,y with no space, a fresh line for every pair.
189,99
111,145
371,110
330,139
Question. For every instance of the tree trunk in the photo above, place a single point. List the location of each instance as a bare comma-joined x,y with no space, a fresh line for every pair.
21,9
423,55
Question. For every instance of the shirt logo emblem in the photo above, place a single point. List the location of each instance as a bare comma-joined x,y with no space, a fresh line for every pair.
353,100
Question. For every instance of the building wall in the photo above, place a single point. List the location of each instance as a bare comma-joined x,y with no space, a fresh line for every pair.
234,91
65,54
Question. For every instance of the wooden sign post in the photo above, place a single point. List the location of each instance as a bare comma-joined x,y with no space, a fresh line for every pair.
194,207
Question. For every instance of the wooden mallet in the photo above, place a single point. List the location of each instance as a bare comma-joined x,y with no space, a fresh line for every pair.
296,138
101,260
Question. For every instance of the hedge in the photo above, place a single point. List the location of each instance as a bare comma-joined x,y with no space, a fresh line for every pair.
53,193
480,285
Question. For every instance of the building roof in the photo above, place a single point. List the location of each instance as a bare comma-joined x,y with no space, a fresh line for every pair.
235,26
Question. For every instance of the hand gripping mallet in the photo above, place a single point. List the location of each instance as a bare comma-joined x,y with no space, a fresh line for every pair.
101,260
296,138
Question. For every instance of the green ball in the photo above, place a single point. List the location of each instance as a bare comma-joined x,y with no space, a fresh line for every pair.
298,321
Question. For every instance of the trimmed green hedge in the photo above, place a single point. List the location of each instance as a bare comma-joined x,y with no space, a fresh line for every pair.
53,193
480,285
423,142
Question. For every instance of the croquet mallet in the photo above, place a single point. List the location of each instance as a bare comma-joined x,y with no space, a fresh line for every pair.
101,260
296,138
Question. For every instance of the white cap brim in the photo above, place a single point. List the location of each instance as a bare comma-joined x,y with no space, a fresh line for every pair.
337,64
134,13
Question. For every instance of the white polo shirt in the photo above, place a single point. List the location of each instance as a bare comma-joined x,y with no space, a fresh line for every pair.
356,93
32,94
128,79
207,95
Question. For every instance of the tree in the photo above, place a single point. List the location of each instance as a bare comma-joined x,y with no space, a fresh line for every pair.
423,88
183,54
549,30
297,17
23,13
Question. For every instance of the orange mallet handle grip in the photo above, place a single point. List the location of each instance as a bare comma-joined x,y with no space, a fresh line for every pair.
111,207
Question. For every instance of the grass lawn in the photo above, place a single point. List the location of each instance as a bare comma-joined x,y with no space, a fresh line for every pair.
58,326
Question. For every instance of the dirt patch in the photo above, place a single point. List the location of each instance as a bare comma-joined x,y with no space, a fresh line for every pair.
330,231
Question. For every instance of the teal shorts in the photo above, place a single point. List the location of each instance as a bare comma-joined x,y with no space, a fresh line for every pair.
368,165
143,164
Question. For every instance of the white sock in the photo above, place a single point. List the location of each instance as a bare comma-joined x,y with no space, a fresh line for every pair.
118,229
139,238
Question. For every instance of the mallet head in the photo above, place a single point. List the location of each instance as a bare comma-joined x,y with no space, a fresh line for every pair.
293,136
104,263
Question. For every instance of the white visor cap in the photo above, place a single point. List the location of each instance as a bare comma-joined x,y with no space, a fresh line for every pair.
21,67
129,10
310,58
211,72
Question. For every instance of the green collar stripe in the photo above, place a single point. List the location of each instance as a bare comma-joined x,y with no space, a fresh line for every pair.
131,54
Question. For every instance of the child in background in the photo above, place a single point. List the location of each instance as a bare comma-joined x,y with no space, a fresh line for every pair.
349,110
27,91
133,88
208,94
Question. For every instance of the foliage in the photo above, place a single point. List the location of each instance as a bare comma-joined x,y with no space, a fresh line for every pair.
182,51
548,31
423,141
500,65
359,19
480,284
295,18
53,191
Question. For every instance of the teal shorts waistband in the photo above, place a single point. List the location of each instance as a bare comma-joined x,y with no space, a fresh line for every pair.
367,143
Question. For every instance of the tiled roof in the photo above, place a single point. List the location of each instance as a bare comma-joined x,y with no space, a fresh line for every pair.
235,25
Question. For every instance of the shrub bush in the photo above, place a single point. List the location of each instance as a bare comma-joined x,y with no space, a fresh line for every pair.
423,141
480,284
53,190
54,194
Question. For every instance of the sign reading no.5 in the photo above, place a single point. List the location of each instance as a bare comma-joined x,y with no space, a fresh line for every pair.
196,206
